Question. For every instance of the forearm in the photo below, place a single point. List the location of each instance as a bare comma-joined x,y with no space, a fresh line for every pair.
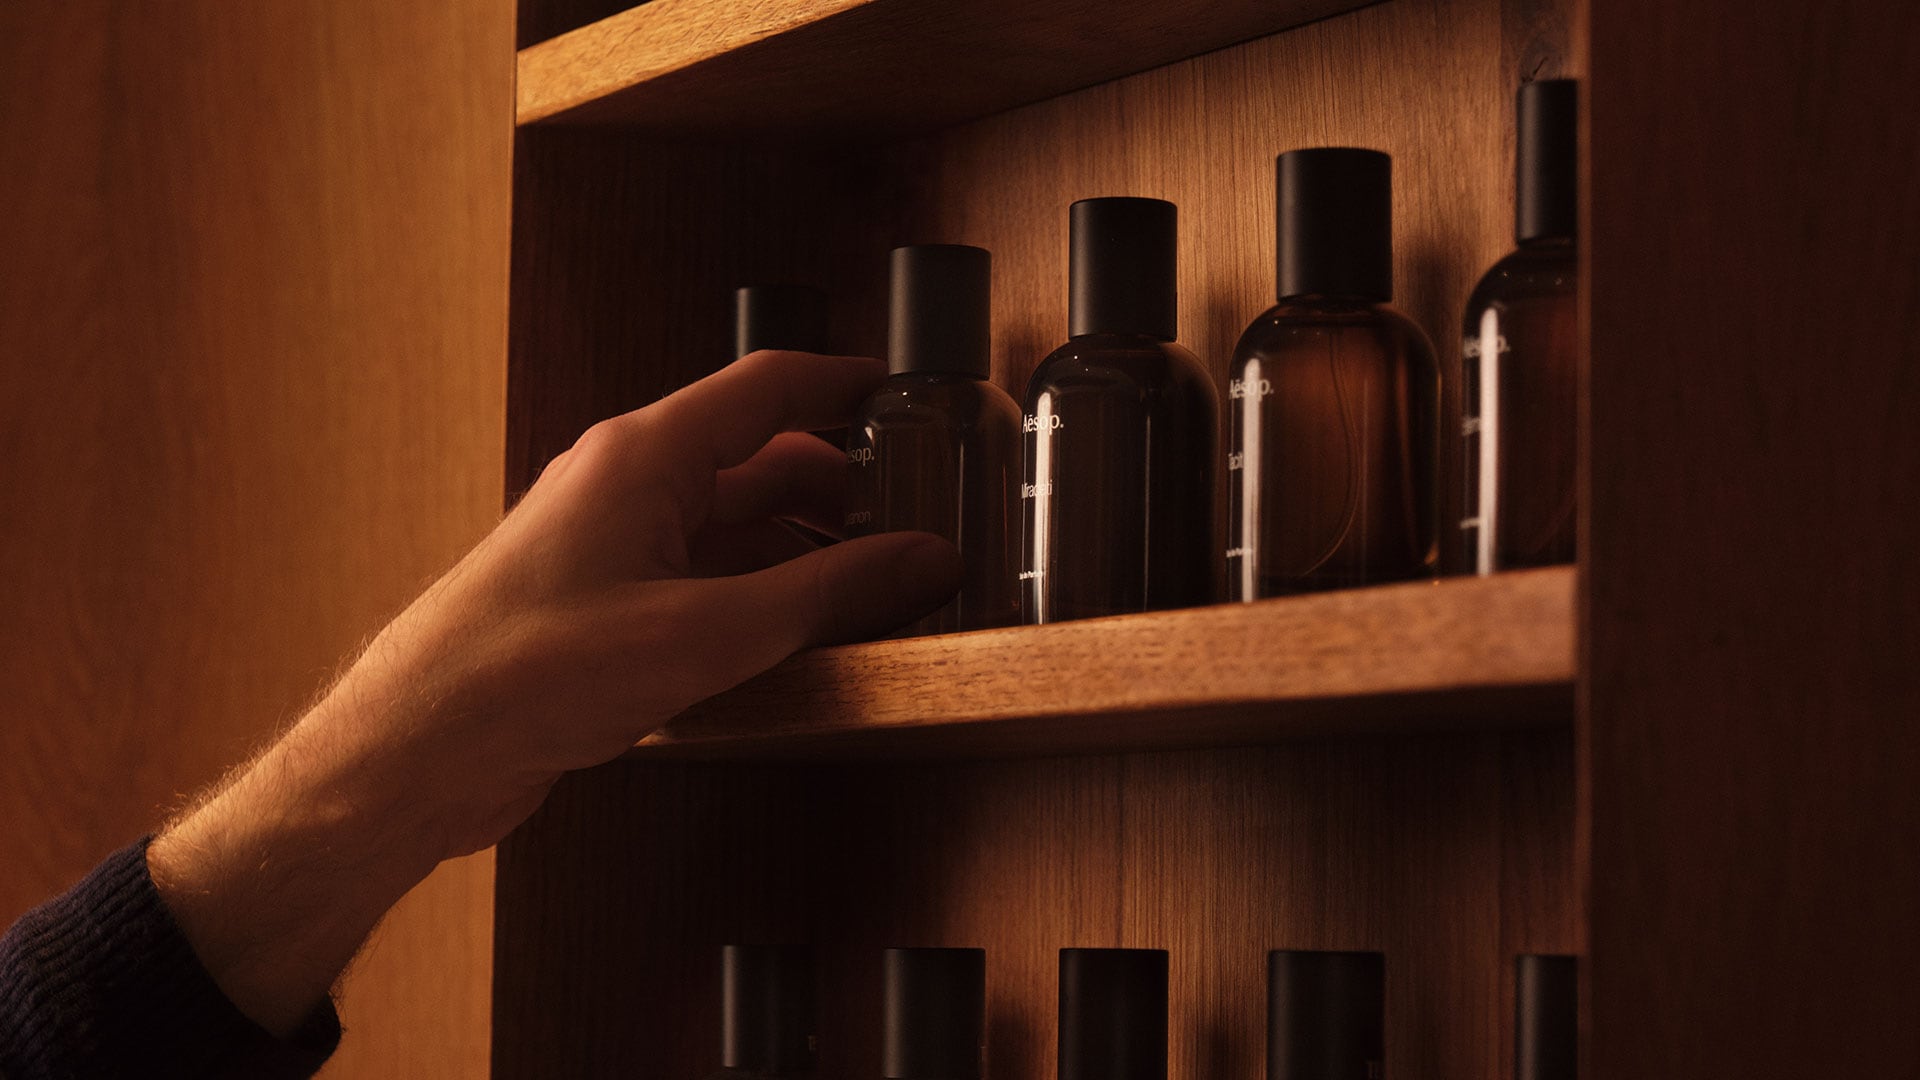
280,877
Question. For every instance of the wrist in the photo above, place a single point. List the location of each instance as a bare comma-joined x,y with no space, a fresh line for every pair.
278,879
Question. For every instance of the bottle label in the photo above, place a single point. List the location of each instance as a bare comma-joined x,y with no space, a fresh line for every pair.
1244,388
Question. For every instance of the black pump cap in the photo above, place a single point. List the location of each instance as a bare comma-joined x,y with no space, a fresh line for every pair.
766,1008
940,315
1124,268
1326,1015
779,317
1113,1014
1336,224
936,1013
1546,1017
1546,167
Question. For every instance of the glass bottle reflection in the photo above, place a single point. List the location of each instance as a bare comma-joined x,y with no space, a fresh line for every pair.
1120,424
1520,369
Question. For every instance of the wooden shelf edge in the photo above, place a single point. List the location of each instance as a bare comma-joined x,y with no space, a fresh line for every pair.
1488,652
865,67
647,42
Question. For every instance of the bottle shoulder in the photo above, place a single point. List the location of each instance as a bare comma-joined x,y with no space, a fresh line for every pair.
1117,361
1294,325
932,398
1527,274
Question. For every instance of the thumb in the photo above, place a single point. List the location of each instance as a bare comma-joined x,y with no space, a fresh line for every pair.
849,591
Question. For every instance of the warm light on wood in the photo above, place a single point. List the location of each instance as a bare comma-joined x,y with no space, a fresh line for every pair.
864,66
1495,652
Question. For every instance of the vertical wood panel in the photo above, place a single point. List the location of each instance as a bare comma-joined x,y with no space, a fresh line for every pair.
252,329
1754,684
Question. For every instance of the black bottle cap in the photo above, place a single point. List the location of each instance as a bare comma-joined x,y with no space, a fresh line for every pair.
1546,1017
1336,224
936,1013
1124,268
1326,1015
766,1008
940,312
1546,167
779,317
1113,1014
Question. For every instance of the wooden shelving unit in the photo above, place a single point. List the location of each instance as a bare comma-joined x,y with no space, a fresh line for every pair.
1386,768
1466,653
1690,759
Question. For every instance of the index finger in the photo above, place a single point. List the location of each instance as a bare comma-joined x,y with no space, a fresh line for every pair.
725,418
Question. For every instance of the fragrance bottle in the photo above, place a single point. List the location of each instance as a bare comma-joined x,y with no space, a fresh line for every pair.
1334,398
1521,358
1546,1018
935,1022
766,1012
779,317
1120,426
792,317
936,448
1326,1015
1113,1014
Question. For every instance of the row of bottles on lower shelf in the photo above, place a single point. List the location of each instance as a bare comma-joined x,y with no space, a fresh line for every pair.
1333,408
1326,1014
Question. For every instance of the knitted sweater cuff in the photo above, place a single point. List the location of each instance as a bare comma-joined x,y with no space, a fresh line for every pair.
100,982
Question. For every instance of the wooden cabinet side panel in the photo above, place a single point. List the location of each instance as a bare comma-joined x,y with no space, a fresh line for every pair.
1754,657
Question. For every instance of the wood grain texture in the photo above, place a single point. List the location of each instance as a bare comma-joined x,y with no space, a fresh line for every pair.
1428,848
862,67
251,382
1238,673
1754,651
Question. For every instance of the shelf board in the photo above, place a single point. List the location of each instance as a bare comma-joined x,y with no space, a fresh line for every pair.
866,67
1464,653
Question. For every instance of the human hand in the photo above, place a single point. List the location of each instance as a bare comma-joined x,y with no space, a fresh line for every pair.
578,625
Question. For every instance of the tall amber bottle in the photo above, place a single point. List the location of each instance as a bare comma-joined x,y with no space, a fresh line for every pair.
1521,359
1121,425
937,447
1334,398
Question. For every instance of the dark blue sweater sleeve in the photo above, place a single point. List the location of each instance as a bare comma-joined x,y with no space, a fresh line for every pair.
99,982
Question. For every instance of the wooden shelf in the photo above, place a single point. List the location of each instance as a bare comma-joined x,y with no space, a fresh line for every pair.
865,67
1491,652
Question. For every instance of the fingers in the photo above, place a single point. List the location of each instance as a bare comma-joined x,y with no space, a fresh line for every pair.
795,476
851,591
722,420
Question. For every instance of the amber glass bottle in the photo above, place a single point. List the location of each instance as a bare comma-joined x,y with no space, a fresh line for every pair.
936,448
1121,426
1333,397
1521,360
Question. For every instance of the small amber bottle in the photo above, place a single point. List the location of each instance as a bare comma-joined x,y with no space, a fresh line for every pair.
1520,372
1121,427
937,447
1333,397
